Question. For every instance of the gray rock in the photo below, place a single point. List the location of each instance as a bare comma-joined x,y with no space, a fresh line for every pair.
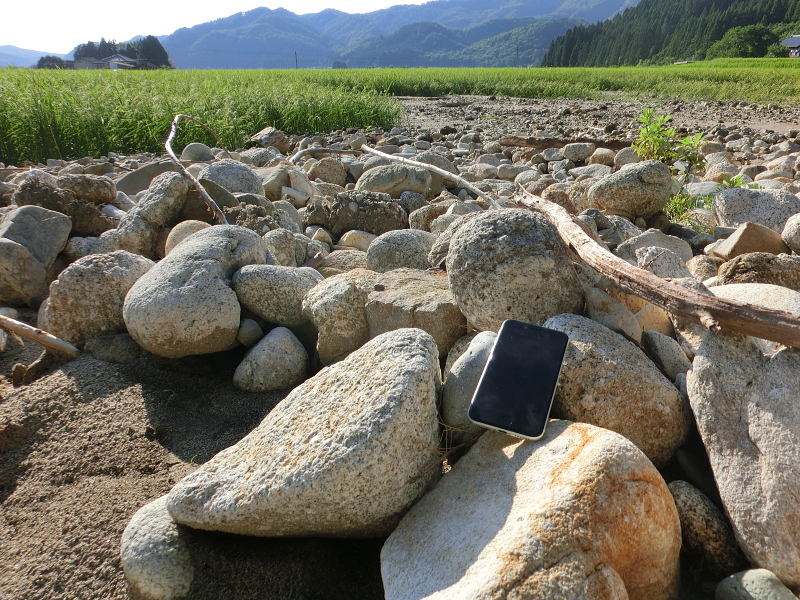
437,183
336,308
234,176
609,382
656,239
755,584
330,170
591,171
181,231
580,514
279,361
441,247
287,216
395,179
136,181
86,300
275,293
184,305
666,352
459,387
743,402
366,211
269,136
761,267
154,557
260,157
626,156
661,262
346,260
602,156
770,208
511,264
222,197
30,239
344,454
640,190
281,245
249,333
411,201
413,298
92,188
423,217
138,231
197,152
578,152
707,535
403,248
791,233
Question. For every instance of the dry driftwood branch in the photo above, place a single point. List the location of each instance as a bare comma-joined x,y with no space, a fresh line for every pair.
715,314
300,154
37,335
537,142
444,174
168,145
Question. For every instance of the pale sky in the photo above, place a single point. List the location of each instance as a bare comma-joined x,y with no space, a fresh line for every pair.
57,26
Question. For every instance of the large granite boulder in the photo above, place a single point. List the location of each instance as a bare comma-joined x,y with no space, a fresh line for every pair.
745,405
609,382
395,179
185,305
511,264
639,190
580,514
86,300
344,454
770,208
30,239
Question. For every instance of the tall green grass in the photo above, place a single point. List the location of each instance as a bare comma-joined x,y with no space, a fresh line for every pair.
68,114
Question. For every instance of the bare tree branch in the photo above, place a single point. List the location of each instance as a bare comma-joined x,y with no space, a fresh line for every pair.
32,333
168,145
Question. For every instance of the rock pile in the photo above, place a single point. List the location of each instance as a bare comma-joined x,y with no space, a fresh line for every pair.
351,281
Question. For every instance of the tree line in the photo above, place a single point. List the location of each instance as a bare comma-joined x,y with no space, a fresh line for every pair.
148,48
666,31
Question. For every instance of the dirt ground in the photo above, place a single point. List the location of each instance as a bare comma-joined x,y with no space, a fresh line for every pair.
83,448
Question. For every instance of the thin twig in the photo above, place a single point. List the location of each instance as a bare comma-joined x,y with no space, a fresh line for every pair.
32,333
300,154
444,174
168,145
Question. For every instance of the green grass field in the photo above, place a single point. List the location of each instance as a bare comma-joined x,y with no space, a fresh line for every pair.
69,114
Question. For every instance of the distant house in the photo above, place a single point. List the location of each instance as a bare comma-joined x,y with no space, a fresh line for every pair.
793,43
90,63
118,61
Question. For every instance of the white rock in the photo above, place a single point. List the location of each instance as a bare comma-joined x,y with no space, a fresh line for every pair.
279,361
580,514
745,405
154,557
344,454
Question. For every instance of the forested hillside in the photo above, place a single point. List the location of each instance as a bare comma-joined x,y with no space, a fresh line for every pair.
664,31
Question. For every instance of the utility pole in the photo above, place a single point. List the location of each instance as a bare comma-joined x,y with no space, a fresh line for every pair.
295,60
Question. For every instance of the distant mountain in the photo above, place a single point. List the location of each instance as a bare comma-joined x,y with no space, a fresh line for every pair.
495,43
442,32
11,56
664,31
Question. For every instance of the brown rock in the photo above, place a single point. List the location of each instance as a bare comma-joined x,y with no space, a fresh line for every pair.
330,170
751,237
703,267
761,267
414,298
97,189
269,136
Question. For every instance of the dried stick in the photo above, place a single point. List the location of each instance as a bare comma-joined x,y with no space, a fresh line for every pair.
168,145
300,154
715,314
37,335
444,174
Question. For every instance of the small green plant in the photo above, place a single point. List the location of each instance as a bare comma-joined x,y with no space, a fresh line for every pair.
737,181
657,141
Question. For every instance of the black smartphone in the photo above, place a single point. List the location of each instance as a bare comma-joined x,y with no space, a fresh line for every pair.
516,390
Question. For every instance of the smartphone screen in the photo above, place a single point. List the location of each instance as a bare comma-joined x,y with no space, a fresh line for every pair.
516,389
